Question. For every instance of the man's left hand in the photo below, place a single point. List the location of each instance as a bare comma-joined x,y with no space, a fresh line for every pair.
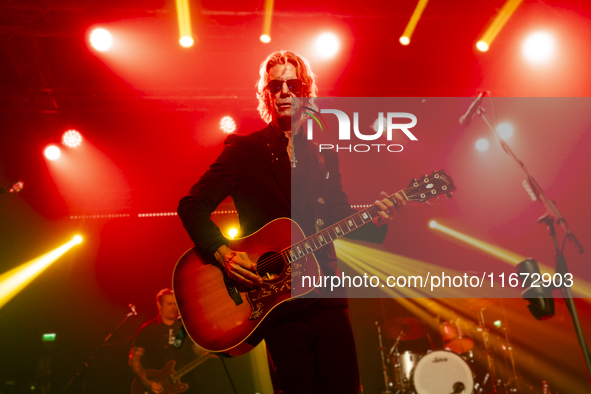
387,208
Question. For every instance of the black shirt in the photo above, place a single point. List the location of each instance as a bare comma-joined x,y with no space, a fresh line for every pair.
157,339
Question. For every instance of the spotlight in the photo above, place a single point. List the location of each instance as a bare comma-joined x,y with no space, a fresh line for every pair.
72,139
482,46
412,23
186,41
227,124
183,13
265,38
505,131
482,144
233,232
77,239
541,302
327,45
538,47
497,24
52,152
432,223
101,39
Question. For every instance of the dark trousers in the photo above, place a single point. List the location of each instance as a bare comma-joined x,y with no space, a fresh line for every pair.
312,350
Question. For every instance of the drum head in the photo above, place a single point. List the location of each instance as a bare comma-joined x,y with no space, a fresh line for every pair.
442,372
402,366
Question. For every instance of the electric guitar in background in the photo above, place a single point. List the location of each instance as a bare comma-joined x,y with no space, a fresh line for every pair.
168,377
222,316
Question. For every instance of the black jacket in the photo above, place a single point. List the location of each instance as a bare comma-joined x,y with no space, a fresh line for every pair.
255,171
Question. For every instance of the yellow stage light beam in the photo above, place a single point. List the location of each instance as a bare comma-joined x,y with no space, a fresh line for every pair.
260,369
580,286
376,262
266,36
13,281
432,311
495,27
500,253
184,19
412,23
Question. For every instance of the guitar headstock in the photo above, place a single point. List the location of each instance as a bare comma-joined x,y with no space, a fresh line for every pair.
430,186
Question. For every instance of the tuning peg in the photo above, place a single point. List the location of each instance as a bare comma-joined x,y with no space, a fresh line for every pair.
449,195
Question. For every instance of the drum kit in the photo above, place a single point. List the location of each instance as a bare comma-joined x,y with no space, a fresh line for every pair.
471,360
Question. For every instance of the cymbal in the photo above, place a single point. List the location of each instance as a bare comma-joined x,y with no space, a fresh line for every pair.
460,345
411,328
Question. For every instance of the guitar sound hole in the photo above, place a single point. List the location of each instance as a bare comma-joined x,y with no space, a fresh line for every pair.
270,265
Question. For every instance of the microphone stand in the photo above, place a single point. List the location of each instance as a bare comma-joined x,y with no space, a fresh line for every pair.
384,368
553,215
81,372
562,269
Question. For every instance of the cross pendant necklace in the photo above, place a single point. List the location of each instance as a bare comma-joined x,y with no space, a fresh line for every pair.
291,153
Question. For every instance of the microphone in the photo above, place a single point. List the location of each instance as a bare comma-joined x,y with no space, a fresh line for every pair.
133,311
466,119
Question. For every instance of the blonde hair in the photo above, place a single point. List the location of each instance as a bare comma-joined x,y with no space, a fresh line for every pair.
303,72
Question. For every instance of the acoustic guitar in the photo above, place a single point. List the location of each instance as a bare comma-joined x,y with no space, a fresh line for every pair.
222,316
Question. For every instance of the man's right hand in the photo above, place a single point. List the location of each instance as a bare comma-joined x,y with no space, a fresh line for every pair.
155,387
238,266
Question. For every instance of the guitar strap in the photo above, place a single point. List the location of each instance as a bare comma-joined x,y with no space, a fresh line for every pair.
180,336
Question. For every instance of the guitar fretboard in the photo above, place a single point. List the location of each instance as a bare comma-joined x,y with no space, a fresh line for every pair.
333,232
190,366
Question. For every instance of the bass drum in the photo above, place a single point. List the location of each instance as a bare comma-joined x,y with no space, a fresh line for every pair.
402,366
442,372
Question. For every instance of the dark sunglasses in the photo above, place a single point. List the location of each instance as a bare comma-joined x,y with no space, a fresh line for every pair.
294,85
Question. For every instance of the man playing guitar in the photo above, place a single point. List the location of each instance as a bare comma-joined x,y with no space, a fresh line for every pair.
276,173
153,344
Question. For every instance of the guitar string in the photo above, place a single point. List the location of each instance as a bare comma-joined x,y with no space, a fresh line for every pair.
277,259
270,261
193,364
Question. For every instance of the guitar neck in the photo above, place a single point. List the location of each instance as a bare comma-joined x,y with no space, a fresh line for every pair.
334,232
190,366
